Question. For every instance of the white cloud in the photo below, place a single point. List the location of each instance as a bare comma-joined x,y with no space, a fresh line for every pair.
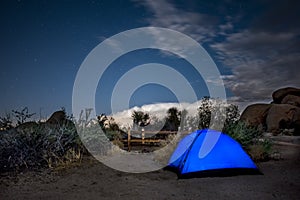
159,110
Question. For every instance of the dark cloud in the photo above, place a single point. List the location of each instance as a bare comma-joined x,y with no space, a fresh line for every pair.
265,55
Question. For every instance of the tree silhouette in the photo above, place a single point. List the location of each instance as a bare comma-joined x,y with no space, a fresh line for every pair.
183,118
204,112
140,119
101,120
22,115
173,119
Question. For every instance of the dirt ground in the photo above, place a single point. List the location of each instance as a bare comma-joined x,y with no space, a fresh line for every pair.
93,180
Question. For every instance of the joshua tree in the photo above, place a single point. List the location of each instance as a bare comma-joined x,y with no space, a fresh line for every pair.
140,118
101,120
22,115
107,123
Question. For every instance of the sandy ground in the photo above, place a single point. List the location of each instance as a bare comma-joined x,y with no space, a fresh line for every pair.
93,180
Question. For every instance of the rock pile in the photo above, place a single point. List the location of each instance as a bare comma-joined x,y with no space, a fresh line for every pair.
280,116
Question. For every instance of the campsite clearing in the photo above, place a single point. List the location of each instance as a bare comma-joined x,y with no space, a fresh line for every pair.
93,180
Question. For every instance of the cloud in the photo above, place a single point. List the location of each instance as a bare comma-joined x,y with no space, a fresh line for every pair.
260,62
259,43
159,110
264,55
165,14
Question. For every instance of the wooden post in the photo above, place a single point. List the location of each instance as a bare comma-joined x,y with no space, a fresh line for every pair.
128,139
143,136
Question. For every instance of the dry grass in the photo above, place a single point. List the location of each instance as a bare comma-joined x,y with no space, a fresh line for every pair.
163,155
257,152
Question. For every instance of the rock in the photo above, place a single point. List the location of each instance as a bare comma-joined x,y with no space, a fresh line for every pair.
267,134
292,100
57,118
297,128
282,116
287,131
279,94
276,156
255,114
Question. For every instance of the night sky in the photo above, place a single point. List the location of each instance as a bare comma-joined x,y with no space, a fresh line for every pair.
255,44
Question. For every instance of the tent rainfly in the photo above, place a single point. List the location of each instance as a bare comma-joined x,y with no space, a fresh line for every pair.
210,153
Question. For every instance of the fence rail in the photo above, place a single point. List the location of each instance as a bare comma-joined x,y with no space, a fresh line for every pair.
141,137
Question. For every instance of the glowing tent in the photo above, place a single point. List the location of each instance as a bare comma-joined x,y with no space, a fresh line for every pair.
210,153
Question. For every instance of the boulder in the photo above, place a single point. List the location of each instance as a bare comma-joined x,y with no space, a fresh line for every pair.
279,94
255,114
57,118
59,122
283,116
292,100
296,124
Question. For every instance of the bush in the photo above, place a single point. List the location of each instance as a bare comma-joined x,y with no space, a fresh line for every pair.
242,133
251,140
41,146
260,151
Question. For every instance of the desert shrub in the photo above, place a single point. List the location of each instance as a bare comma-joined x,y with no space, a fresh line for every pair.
214,113
242,133
115,137
41,146
96,141
118,141
261,150
6,122
251,140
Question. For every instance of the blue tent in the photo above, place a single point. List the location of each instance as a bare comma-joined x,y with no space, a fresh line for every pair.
210,153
